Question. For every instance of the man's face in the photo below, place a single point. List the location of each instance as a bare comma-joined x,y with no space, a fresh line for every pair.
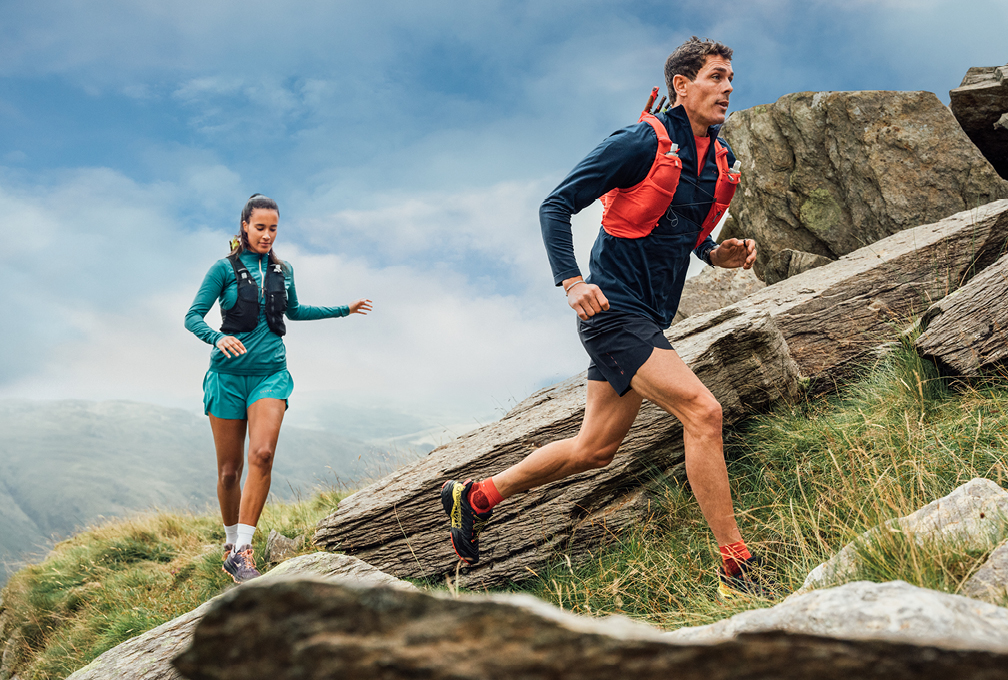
706,97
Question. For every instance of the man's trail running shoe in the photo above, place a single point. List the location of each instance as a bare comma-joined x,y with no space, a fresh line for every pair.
754,580
466,523
240,566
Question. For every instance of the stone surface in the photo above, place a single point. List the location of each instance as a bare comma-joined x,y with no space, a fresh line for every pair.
990,582
972,517
830,172
280,548
831,317
399,526
894,611
967,332
714,288
787,263
307,630
148,656
979,104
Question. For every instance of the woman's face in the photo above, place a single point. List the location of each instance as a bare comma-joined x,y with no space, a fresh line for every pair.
261,229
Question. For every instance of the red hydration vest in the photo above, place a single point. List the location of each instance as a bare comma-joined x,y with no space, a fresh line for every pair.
634,212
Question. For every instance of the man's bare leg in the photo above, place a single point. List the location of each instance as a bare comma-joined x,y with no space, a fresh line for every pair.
607,420
667,381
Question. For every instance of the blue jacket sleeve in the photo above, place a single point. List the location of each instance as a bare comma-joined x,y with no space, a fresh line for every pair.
622,160
211,289
703,251
298,312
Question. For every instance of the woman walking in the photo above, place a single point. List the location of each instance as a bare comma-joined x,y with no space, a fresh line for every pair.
247,386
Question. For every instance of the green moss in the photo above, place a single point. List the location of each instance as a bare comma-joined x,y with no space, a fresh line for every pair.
820,213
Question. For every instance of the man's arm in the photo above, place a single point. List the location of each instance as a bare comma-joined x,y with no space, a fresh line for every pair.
622,160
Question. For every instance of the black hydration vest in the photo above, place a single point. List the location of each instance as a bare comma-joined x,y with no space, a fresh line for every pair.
244,316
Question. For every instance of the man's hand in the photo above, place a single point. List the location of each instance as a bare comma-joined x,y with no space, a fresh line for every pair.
734,252
585,298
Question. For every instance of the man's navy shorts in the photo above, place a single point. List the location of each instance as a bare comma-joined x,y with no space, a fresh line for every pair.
618,345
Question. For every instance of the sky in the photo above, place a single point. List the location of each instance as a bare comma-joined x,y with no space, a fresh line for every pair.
408,144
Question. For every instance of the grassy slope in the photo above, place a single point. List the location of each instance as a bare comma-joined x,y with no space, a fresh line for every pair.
807,479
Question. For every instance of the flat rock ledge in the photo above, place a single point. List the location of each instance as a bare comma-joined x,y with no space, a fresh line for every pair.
308,630
895,611
148,656
973,517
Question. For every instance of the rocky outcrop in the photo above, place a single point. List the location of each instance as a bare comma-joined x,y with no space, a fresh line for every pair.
973,517
308,630
280,548
894,611
830,319
148,656
398,525
980,104
827,173
967,332
787,263
714,288
990,582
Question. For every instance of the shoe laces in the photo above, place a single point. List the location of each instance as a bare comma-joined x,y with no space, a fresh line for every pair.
245,558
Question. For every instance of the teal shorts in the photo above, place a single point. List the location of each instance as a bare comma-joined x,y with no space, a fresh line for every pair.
229,396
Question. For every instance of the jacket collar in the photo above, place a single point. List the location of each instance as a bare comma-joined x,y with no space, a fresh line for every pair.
678,113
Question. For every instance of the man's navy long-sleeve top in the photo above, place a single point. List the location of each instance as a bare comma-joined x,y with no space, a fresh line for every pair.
638,275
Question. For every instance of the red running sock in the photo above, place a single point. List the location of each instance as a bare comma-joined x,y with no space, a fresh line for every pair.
484,495
732,554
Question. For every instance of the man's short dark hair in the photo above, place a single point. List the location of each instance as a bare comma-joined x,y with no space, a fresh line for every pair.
689,58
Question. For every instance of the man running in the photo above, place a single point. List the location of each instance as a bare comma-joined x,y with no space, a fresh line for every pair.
664,182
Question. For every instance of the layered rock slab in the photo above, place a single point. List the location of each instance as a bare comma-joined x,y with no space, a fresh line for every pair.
148,656
398,524
990,582
895,611
980,104
974,517
827,173
967,332
306,630
830,319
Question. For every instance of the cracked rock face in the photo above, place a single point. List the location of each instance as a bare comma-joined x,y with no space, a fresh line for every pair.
826,173
980,104
990,582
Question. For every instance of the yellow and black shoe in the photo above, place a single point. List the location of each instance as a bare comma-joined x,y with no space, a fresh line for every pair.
466,523
753,581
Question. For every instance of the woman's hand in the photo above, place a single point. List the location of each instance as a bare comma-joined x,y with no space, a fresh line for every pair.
734,252
231,346
586,299
362,306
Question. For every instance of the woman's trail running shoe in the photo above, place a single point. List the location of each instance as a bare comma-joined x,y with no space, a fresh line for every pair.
240,566
753,581
466,523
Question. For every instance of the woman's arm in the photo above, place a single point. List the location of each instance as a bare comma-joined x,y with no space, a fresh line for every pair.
211,288
298,312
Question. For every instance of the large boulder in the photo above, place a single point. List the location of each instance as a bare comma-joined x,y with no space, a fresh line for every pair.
148,656
980,104
830,318
308,630
966,333
894,611
826,173
972,517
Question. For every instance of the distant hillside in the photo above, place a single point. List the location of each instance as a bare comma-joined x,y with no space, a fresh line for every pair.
66,464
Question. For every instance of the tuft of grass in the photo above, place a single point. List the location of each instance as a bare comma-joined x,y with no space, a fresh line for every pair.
118,580
807,479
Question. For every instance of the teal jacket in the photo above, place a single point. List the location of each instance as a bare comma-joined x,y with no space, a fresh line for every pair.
265,353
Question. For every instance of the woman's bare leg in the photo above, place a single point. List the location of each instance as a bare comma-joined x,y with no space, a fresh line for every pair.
264,419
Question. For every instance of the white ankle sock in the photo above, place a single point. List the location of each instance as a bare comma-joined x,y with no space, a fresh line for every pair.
230,533
245,534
